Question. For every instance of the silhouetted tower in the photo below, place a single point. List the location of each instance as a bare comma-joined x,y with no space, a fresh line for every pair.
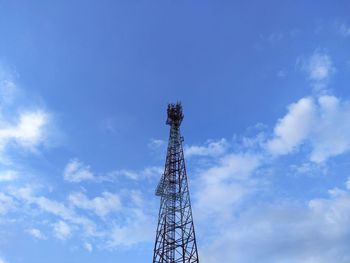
175,238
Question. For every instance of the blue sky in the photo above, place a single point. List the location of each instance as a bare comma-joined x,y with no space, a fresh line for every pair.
83,93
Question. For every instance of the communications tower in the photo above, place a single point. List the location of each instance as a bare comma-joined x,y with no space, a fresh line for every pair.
175,238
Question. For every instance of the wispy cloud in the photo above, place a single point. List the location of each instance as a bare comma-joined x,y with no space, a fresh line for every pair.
7,203
88,246
123,173
8,89
100,205
274,37
27,196
222,184
156,144
148,173
62,230
348,184
221,187
319,68
75,172
315,231
36,233
280,230
281,73
139,229
210,148
97,219
8,175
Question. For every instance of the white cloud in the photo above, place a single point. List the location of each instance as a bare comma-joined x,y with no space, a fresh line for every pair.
330,135
221,189
52,206
101,205
211,148
294,127
76,172
254,142
27,196
319,66
62,230
123,173
348,184
222,186
138,224
28,132
36,233
139,229
309,168
3,260
8,175
286,232
88,246
67,214
130,225
22,193
151,172
321,122
25,126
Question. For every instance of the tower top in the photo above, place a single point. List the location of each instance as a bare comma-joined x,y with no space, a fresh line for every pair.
175,114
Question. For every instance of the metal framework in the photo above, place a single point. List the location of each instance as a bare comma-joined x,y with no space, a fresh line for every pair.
175,238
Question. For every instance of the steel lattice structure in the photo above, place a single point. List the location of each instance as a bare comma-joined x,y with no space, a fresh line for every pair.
175,238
